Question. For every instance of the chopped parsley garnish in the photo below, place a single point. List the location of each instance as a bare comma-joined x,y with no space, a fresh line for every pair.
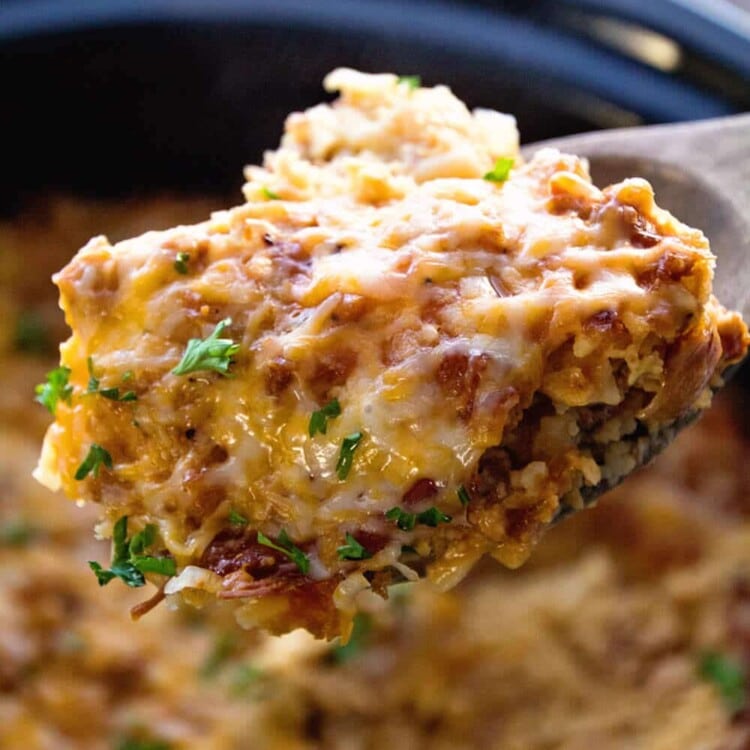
501,171
225,646
213,353
358,639
181,262
95,459
246,679
352,550
319,419
16,533
346,456
132,743
285,545
413,82
269,194
31,335
463,495
237,519
407,521
728,676
129,562
93,385
55,389
433,517
113,394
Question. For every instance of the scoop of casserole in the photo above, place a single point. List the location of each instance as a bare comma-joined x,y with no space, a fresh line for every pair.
405,350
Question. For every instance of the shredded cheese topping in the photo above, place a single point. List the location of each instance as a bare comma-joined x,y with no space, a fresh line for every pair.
449,315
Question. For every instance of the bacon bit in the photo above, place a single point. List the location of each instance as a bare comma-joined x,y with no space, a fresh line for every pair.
738,617
241,585
459,376
278,376
608,322
641,232
669,268
207,500
237,549
331,370
421,490
372,541
143,608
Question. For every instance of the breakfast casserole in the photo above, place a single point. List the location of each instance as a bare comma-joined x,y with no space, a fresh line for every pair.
405,350
628,628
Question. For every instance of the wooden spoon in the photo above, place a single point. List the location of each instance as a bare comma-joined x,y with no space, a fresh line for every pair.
701,173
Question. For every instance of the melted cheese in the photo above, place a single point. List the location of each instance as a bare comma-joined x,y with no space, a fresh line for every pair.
436,306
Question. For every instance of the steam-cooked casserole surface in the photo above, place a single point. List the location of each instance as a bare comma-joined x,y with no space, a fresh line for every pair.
405,350
628,629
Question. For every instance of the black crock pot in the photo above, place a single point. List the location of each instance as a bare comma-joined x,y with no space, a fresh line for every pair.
120,96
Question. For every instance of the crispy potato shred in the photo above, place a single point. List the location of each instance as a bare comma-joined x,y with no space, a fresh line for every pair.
405,350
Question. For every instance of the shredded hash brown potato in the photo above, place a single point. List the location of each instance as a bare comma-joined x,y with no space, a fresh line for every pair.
402,352
596,643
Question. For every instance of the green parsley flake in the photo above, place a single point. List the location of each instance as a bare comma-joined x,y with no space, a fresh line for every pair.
225,646
16,533
31,335
319,419
728,676
95,458
55,389
413,82
133,743
129,562
213,353
285,545
358,640
247,679
237,519
181,262
269,194
113,394
346,456
352,550
463,495
407,521
501,171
